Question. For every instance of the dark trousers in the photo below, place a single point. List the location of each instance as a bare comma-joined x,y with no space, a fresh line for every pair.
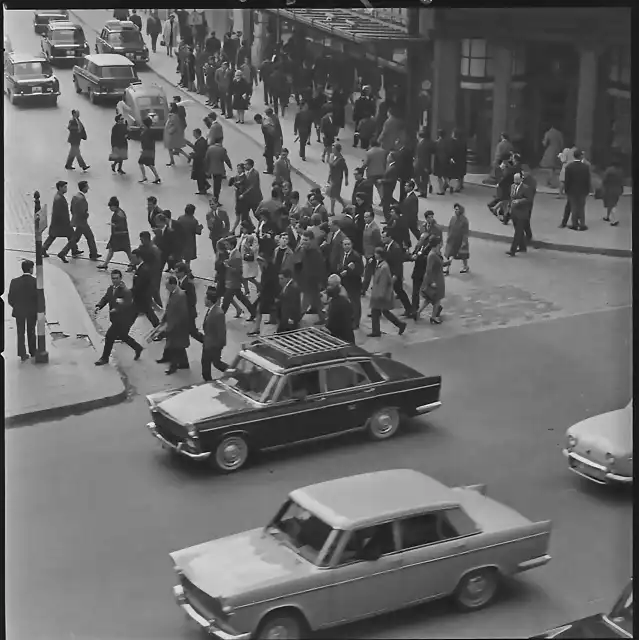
528,230
398,288
74,153
176,357
519,239
417,283
268,156
577,206
422,178
402,189
267,94
389,315
283,328
355,296
388,187
212,356
154,41
203,184
229,294
277,103
87,232
49,241
147,310
413,226
228,98
28,324
212,91
369,270
304,136
155,288
194,332
118,332
217,186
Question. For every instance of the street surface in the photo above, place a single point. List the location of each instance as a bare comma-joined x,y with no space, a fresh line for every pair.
529,346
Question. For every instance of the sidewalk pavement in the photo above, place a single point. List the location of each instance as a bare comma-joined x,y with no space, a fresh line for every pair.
69,383
600,238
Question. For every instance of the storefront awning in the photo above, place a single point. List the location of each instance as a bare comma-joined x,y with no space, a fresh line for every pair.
348,24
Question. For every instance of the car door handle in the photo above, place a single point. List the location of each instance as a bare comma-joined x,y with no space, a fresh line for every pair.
369,390
460,546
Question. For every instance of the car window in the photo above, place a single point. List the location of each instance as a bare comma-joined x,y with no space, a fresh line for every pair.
371,371
68,36
377,540
117,72
34,69
456,523
300,385
144,102
419,530
345,376
129,36
248,378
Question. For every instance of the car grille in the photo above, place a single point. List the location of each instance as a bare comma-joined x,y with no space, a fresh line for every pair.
207,606
170,431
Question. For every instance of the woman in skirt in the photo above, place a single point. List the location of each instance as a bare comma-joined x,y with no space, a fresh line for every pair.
119,144
119,240
612,190
239,90
147,154
457,240
433,287
249,250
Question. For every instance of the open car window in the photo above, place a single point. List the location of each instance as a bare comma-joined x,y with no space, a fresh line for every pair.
249,379
300,385
367,543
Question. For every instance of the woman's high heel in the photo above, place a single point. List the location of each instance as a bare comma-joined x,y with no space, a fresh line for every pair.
435,320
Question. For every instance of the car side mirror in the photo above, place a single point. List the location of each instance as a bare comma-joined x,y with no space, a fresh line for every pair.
371,553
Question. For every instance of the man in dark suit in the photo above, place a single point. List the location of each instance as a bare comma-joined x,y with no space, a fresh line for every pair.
122,315
531,183
217,222
302,127
214,161
265,232
80,223
577,187
153,259
142,288
60,223
186,284
409,208
289,304
334,247
168,239
23,298
520,201
350,272
252,194
423,163
270,140
198,168
395,257
176,326
311,272
339,321
372,238
214,331
153,210
362,185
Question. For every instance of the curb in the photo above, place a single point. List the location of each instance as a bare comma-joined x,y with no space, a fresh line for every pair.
483,235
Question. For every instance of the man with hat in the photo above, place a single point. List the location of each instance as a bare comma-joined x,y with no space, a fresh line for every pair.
339,321
364,107
23,298
60,226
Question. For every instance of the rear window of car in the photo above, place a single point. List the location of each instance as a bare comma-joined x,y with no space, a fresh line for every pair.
32,69
68,36
130,36
117,72
144,102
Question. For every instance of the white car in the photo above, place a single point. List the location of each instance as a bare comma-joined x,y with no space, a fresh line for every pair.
600,448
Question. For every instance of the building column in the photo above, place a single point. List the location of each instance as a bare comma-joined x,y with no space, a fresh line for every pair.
259,38
586,100
445,85
502,65
219,21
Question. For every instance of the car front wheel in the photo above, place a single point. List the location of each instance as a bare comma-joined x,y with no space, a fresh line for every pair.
280,627
383,424
231,454
76,85
477,589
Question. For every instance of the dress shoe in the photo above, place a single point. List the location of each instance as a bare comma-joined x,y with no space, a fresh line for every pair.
162,361
75,254
512,254
63,258
100,362
562,226
95,258
402,328
583,228
24,358
86,168
45,254
138,353
170,370
572,226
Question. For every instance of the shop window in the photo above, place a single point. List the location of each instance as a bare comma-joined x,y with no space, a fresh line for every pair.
619,68
476,59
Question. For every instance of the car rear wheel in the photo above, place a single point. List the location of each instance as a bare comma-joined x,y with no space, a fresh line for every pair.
383,424
477,589
281,626
231,454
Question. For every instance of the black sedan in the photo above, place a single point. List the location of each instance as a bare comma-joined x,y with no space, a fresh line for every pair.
42,17
64,41
289,388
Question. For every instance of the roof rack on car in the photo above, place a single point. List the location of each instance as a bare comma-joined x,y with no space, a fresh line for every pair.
303,342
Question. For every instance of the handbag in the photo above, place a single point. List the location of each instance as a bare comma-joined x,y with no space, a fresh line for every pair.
249,256
162,43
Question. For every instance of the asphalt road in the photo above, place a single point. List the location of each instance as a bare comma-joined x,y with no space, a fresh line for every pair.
93,505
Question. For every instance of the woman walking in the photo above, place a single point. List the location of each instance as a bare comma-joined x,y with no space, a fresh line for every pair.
119,144
119,240
433,287
240,90
191,228
612,186
147,154
174,140
249,250
337,171
457,240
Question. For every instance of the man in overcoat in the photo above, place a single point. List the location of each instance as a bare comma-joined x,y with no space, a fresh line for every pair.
252,194
198,168
80,223
339,320
409,208
577,186
153,258
312,275
289,307
215,159
217,222
382,296
60,226
186,284
142,287
350,272
23,299
214,332
176,326
520,200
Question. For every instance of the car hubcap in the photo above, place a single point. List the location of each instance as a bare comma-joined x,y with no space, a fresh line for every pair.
232,453
385,422
477,590
280,632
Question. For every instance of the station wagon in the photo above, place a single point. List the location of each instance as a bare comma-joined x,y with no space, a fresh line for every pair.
104,76
43,17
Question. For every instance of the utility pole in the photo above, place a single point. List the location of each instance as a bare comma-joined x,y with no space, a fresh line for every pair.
414,60
41,223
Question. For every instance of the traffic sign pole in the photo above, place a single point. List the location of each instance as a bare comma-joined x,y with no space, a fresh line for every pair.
40,220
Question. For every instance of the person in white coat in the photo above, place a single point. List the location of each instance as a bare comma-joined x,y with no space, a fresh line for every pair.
248,246
171,34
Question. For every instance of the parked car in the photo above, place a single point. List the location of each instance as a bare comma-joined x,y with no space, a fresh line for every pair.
42,17
600,448
64,41
619,623
353,548
28,77
105,75
288,388
123,37
141,101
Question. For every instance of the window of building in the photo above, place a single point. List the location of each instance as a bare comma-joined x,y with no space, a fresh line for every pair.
619,68
476,59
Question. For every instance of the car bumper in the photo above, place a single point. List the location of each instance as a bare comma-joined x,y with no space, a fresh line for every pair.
533,563
28,96
110,93
427,408
211,626
593,471
59,57
177,448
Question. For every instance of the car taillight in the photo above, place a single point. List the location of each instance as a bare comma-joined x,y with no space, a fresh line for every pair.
610,460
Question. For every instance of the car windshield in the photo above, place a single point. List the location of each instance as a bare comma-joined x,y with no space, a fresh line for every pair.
248,378
301,530
68,36
622,612
35,69
117,72
130,36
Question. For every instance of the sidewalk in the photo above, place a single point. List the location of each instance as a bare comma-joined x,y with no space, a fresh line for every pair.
599,239
70,383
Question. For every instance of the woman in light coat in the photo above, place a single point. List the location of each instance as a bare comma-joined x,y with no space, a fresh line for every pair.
174,140
249,250
612,190
553,142
170,34
457,247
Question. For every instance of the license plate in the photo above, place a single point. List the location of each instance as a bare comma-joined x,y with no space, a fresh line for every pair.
36,89
71,53
130,55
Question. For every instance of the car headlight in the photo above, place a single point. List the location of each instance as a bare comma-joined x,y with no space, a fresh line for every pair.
227,609
572,442
191,443
191,430
610,459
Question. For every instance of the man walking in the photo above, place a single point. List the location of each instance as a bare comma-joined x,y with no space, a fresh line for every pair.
77,133
423,163
122,315
217,222
395,257
252,194
577,187
186,284
234,279
60,226
382,298
409,208
80,223
216,132
214,331
375,165
302,127
519,212
142,287
175,325
153,29
269,133
372,238
350,274
23,299
214,161
198,169
153,258
312,276
289,306
340,320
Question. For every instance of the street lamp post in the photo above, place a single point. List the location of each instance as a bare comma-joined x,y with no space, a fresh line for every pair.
40,220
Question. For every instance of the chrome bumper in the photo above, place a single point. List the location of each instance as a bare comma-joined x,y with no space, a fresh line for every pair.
26,96
177,448
533,563
608,476
427,408
210,626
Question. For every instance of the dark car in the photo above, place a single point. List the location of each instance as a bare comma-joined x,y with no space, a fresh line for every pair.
122,37
64,41
288,388
28,78
42,17
616,624
104,76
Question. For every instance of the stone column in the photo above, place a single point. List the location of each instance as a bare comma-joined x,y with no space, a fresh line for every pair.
502,65
259,38
586,100
445,85
219,21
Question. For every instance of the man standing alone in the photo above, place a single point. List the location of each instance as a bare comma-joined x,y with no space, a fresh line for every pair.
23,298
577,187
520,203
77,133
214,331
